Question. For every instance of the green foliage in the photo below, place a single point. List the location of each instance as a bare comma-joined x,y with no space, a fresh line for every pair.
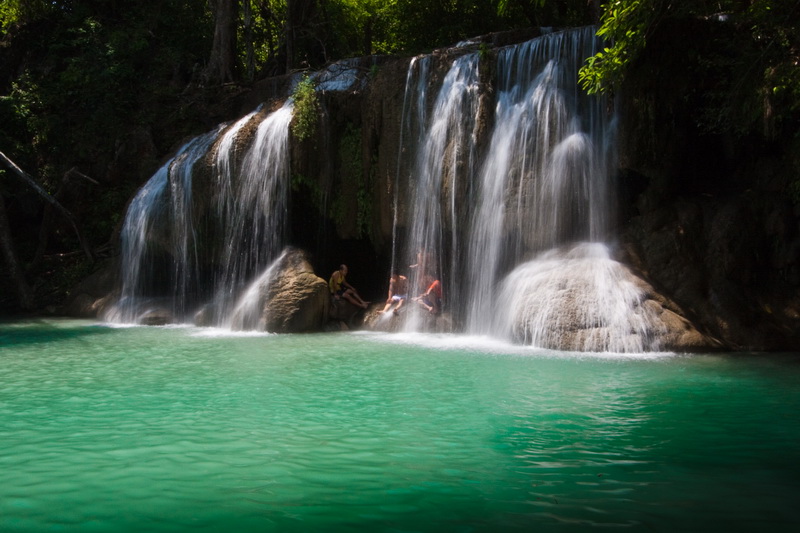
91,72
504,7
624,24
17,12
413,26
306,109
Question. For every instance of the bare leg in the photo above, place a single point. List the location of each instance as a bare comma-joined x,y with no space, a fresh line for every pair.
386,307
354,299
423,302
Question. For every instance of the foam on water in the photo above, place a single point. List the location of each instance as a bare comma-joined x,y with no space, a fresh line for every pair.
488,344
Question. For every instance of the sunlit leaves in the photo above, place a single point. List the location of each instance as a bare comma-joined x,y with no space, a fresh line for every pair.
306,109
624,25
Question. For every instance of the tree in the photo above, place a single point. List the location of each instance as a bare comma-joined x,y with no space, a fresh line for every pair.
15,271
221,67
20,12
750,67
625,24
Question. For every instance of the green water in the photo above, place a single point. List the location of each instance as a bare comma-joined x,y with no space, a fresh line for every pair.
175,429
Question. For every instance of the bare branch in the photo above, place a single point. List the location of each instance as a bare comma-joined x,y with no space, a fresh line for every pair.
49,199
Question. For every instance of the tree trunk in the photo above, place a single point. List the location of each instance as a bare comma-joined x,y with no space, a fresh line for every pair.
46,227
289,34
250,59
596,10
298,12
222,62
24,293
368,35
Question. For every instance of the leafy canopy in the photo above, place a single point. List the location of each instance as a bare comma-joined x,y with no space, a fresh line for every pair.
624,24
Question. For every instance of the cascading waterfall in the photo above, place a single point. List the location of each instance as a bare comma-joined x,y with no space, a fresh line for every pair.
576,298
245,313
509,208
443,154
252,208
162,253
529,259
542,183
159,212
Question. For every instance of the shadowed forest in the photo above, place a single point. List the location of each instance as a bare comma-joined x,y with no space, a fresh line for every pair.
94,95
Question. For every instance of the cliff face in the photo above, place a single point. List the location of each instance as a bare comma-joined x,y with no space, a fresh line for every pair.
709,214
705,219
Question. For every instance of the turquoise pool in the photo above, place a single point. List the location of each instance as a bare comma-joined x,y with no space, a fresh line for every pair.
176,428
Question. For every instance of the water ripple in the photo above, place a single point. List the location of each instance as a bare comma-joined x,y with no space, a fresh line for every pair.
159,429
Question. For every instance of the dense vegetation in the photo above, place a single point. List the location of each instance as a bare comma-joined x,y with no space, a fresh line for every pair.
80,78
755,61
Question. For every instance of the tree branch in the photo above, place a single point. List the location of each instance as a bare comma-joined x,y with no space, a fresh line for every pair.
52,201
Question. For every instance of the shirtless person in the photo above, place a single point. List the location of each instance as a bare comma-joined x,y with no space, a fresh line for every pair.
341,289
398,292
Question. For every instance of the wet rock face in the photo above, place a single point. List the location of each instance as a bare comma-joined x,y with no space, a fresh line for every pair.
721,256
420,320
723,262
580,298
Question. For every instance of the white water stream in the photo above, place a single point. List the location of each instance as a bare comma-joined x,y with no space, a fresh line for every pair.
535,215
160,240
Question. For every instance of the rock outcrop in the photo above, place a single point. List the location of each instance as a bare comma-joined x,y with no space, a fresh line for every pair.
706,220
295,300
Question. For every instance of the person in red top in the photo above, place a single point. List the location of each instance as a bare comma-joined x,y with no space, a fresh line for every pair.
432,298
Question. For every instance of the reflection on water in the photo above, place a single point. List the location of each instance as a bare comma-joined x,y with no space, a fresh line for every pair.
45,331
169,429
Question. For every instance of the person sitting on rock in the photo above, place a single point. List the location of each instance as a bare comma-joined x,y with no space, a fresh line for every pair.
431,299
398,292
341,289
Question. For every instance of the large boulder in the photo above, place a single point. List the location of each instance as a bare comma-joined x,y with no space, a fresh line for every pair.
295,299
581,298
344,315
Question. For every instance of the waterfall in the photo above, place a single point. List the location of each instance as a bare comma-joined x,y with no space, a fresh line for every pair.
576,298
159,213
443,154
528,214
253,208
502,193
246,313
543,182
196,235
